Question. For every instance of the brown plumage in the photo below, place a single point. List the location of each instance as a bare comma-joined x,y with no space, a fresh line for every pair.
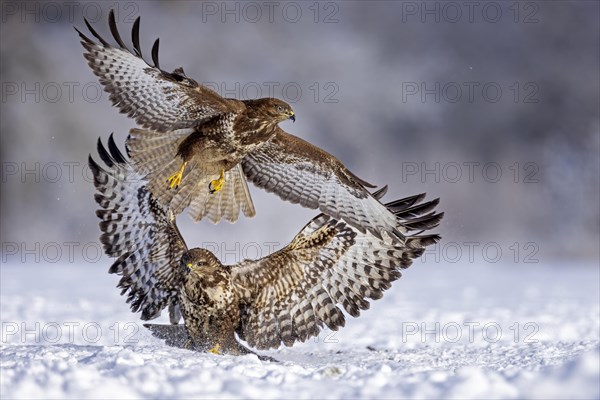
284,297
188,127
206,146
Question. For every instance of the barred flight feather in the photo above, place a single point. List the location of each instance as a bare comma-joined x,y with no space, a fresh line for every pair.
291,295
187,122
288,296
156,99
137,230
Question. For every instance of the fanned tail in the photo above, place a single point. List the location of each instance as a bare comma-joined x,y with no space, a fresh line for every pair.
226,203
173,335
154,154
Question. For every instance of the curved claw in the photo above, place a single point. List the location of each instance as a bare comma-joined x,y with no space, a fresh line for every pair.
217,184
216,349
175,179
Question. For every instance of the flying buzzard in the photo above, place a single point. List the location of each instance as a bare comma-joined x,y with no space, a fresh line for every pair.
197,148
285,297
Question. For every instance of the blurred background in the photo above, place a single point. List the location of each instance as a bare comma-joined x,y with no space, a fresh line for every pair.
491,106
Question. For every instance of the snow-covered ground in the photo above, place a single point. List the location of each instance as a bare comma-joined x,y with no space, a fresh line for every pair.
443,330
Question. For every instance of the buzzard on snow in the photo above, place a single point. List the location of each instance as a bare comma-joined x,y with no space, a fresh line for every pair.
284,297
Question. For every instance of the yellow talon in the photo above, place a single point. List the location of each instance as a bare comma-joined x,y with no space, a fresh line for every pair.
216,349
217,184
175,179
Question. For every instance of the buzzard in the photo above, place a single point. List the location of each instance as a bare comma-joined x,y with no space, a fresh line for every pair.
284,297
198,149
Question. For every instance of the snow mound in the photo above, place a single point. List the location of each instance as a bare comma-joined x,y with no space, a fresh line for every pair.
469,333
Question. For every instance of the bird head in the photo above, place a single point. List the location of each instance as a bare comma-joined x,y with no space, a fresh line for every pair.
199,259
271,109
282,110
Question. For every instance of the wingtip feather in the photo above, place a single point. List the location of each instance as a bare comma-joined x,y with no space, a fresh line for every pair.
112,23
135,37
95,34
155,53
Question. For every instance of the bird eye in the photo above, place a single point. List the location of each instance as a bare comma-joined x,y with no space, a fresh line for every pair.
279,108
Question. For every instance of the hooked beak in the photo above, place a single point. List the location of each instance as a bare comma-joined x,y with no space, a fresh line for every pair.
187,266
292,116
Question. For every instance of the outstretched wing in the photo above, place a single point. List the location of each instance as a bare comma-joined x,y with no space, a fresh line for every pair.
290,295
156,99
139,232
301,173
